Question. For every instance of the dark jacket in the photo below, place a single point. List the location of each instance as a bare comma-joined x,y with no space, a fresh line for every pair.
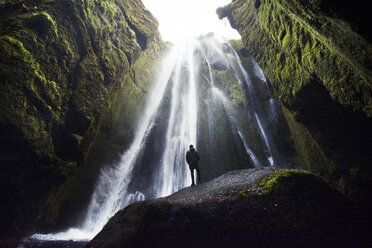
192,158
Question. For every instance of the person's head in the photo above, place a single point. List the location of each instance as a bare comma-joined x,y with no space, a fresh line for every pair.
191,147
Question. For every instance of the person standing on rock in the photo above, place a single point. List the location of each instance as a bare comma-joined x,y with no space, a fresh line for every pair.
192,158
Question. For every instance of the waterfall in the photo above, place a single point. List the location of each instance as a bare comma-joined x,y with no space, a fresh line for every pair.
194,91
181,129
220,96
273,158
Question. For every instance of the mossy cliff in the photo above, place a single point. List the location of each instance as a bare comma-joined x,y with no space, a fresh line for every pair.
70,71
318,56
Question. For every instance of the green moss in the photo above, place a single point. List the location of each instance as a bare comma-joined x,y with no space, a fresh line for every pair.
271,183
307,48
226,80
319,68
236,44
243,193
61,74
311,155
112,136
40,94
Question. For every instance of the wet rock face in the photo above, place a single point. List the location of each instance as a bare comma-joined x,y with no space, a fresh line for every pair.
256,207
317,55
62,65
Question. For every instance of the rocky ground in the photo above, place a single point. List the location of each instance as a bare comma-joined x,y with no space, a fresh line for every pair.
32,243
266,207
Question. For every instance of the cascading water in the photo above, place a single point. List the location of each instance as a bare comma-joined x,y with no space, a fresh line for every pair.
111,193
181,129
192,102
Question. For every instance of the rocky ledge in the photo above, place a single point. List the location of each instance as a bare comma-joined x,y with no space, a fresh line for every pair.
255,207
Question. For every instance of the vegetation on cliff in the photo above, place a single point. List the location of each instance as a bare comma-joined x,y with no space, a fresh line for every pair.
317,55
74,75
63,67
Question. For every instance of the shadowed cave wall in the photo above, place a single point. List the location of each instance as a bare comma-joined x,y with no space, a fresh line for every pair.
317,55
67,69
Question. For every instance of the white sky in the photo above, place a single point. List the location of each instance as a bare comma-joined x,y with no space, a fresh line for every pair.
179,19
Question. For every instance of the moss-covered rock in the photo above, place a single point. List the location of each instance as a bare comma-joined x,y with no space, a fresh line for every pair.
65,204
64,66
317,55
262,208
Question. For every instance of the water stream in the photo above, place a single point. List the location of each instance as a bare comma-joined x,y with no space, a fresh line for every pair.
188,96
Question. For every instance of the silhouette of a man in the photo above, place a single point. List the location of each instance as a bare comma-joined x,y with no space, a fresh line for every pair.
192,158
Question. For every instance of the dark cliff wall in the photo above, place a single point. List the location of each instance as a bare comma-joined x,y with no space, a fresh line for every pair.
70,72
317,55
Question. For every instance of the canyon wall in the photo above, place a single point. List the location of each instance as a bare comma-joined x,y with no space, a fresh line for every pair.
71,73
317,55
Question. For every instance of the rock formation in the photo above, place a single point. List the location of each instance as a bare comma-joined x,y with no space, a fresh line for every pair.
249,208
71,72
317,55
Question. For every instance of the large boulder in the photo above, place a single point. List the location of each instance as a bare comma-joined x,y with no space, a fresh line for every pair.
249,208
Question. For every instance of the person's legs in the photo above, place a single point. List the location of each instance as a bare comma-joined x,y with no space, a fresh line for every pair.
192,177
198,172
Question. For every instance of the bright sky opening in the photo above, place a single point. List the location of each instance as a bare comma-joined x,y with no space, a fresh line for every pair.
180,19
